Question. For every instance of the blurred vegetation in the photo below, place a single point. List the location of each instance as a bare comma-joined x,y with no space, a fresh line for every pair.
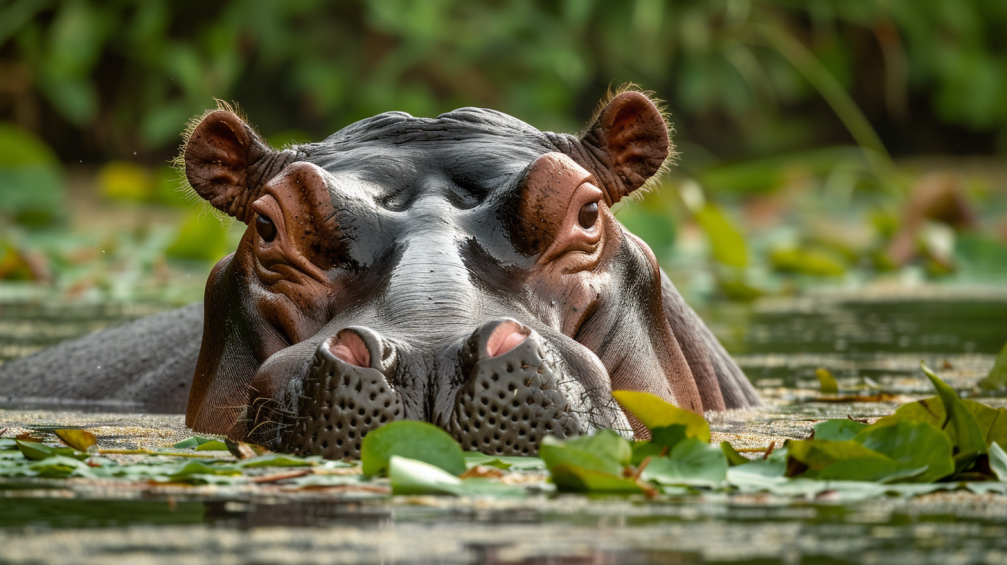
783,109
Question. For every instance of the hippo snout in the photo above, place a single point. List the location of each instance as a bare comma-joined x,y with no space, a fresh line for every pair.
507,393
510,398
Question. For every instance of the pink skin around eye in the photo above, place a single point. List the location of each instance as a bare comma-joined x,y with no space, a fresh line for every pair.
504,338
349,348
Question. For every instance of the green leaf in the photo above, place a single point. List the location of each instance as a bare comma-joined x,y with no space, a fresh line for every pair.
816,262
194,441
587,464
557,452
912,446
606,444
201,237
413,440
691,462
409,476
212,445
59,466
81,440
838,430
998,461
826,381
662,441
505,462
733,457
655,413
276,460
997,377
963,423
574,478
726,240
197,472
40,451
819,454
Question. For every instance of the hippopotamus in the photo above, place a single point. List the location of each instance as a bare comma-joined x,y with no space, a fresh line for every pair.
464,270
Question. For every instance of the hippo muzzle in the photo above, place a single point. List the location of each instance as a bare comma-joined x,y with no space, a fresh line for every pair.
465,270
511,392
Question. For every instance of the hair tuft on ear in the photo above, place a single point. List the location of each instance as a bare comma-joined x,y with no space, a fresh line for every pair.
178,161
595,132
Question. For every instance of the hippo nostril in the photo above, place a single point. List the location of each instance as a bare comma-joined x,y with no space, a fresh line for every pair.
348,347
362,347
505,337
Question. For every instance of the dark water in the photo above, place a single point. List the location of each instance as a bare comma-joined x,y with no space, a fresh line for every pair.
876,343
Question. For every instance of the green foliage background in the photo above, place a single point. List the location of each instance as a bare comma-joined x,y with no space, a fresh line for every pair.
120,76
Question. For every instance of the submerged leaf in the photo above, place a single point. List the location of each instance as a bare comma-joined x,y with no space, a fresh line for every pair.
655,413
413,440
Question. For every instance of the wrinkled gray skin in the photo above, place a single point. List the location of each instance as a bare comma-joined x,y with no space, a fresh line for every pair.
428,266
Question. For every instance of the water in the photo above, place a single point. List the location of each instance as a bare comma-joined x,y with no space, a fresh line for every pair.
870,344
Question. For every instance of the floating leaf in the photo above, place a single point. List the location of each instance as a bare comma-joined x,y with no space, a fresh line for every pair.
505,462
838,430
413,440
826,381
998,461
691,462
662,440
733,457
276,460
81,440
962,423
997,377
197,472
912,446
409,476
194,441
654,412
583,465
212,445
59,466
40,451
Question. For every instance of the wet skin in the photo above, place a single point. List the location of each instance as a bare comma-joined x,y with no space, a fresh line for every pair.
464,270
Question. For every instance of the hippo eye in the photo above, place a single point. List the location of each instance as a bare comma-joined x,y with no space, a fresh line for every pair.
266,228
588,215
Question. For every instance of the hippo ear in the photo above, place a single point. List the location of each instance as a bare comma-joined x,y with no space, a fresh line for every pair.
629,140
225,161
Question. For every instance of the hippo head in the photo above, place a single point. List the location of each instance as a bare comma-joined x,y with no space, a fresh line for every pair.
464,270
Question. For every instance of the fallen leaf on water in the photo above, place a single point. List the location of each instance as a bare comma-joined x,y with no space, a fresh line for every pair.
81,440
879,397
827,381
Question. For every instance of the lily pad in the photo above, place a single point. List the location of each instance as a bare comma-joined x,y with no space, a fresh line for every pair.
654,413
81,440
409,476
838,430
413,440
691,462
